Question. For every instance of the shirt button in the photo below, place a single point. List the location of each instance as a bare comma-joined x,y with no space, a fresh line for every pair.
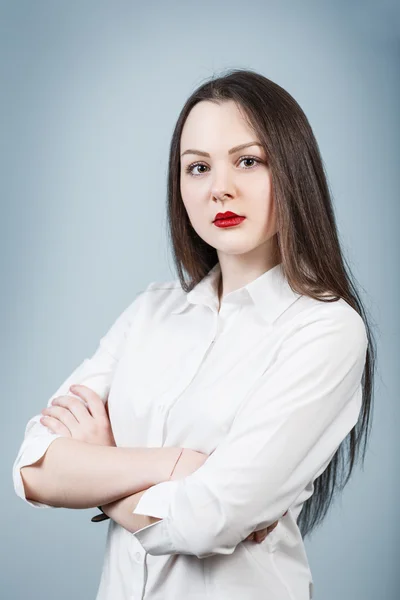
138,557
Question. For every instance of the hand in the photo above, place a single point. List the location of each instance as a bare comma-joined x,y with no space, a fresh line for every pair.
69,417
261,534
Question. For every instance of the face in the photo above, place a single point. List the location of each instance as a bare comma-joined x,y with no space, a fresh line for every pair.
239,181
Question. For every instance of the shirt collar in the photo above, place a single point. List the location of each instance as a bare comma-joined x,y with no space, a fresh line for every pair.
270,293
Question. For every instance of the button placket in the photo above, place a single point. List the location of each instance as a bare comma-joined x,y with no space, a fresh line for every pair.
138,575
139,569
156,434
168,400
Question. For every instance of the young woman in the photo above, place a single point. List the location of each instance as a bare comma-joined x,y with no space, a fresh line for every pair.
218,412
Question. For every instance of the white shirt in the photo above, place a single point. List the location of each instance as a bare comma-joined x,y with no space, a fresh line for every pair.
269,386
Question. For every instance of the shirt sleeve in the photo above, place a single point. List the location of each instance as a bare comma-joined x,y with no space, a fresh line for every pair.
95,372
284,432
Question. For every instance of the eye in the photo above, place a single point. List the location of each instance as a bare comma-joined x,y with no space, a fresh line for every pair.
189,168
256,160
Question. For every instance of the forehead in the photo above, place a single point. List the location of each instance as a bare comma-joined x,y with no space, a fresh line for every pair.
215,125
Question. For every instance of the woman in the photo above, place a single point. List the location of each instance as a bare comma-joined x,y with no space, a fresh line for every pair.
260,366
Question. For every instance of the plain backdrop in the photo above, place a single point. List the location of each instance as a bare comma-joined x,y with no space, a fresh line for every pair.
90,92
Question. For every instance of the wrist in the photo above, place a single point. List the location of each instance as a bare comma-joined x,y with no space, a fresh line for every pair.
168,459
176,462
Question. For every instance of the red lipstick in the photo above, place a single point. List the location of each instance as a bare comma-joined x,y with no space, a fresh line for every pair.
228,219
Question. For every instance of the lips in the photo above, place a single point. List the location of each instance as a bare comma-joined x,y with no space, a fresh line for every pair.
226,215
229,222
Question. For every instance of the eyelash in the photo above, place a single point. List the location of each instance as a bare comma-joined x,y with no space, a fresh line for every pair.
190,167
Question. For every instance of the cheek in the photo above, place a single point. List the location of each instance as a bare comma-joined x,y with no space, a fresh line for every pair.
261,200
263,214
193,190
269,218
196,212
194,199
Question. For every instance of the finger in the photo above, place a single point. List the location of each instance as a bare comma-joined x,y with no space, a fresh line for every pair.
272,527
260,536
55,426
94,401
74,405
63,415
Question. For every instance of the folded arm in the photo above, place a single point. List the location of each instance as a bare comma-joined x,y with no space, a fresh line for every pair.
285,431
121,511
67,473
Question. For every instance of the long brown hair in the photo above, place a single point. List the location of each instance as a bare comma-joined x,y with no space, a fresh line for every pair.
307,237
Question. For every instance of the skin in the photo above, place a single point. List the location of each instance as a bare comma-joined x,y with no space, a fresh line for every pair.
222,182
90,423
240,182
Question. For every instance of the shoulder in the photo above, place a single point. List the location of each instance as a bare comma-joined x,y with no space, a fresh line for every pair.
163,289
166,295
155,286
337,320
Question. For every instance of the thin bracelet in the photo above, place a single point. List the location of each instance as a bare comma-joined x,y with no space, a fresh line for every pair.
180,454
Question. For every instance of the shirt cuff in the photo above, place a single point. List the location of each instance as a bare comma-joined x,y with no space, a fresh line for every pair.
155,502
31,451
156,538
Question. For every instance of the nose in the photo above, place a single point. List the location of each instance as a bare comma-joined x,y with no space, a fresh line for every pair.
222,184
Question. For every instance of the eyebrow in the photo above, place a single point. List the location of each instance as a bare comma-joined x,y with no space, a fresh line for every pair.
231,151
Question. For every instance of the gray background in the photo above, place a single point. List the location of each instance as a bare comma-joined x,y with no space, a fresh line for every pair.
90,92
